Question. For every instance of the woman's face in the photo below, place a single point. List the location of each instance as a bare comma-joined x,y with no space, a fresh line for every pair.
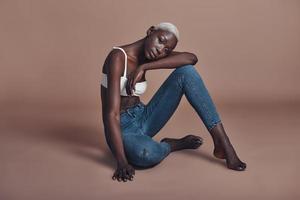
159,44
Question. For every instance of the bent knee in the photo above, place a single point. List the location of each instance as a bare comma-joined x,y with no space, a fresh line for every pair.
185,70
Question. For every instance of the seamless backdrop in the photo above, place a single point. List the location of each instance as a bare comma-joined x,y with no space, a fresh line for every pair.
51,134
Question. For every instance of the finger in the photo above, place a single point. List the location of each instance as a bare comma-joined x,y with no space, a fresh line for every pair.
119,176
123,172
128,87
133,84
114,176
127,173
130,173
133,171
135,81
130,177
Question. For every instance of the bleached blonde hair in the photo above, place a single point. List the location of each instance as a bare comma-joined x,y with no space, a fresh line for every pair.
167,26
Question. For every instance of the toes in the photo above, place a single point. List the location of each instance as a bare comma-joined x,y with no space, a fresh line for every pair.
239,167
243,165
197,140
197,143
194,138
193,141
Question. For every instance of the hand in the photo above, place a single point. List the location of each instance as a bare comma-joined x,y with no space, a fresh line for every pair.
124,172
133,78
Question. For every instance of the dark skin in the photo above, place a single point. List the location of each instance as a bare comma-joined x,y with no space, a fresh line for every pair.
155,51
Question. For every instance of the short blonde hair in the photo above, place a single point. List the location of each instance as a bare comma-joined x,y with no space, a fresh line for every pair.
167,26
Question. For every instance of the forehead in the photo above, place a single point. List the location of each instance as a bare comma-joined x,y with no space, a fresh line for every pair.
170,37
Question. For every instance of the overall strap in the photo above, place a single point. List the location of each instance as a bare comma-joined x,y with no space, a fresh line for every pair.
124,75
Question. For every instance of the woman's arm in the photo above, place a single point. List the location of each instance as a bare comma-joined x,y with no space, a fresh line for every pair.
112,115
124,170
175,59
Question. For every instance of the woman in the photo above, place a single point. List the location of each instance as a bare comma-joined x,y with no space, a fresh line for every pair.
129,124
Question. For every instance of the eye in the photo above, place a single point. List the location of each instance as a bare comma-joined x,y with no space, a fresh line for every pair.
167,50
160,40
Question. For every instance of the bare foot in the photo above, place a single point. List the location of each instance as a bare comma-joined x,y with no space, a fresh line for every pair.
224,149
187,142
236,164
232,160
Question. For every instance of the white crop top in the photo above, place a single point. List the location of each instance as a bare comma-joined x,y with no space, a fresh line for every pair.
140,87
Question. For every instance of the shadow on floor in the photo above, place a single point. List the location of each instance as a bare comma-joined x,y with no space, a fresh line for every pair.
83,141
200,154
64,133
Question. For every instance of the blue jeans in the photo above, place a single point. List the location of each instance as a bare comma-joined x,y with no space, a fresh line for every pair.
141,122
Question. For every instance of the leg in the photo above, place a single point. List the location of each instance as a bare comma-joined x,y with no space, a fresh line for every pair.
186,80
183,80
143,151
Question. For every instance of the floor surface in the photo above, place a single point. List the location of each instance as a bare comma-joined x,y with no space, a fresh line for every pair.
58,154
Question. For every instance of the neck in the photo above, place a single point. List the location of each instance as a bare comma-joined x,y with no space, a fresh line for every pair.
135,51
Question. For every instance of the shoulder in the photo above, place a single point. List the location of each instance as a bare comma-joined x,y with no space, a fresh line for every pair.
116,55
116,61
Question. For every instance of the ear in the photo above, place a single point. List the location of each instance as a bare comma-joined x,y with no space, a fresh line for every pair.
150,30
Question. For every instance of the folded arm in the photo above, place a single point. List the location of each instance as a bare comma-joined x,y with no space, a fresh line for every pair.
174,60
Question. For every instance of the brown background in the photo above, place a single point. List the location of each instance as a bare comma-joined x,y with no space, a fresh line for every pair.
51,55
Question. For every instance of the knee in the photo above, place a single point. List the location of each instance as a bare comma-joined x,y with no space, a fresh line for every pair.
185,70
144,157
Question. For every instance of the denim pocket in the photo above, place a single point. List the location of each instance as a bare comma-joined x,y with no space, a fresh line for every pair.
125,119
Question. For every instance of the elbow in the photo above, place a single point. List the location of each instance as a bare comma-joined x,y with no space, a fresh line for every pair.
194,59
112,116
